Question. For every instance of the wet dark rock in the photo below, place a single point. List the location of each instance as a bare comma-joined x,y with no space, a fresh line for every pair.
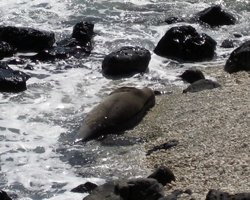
16,61
104,192
163,175
140,189
165,146
172,20
157,92
219,195
200,85
4,195
184,43
192,75
237,35
52,54
86,187
27,39
126,61
79,46
29,67
239,59
12,80
6,50
73,43
228,43
216,16
83,32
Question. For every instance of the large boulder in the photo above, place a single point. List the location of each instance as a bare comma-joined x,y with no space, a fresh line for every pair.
6,50
215,16
27,39
126,61
200,85
220,195
121,110
12,80
192,75
239,60
184,43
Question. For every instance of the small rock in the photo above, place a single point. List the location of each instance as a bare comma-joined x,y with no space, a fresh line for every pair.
192,75
163,175
172,20
29,67
165,146
203,84
83,32
227,43
12,80
86,187
140,189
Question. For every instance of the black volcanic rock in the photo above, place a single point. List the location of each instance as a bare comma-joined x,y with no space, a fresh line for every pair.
200,85
83,32
6,50
227,43
172,20
192,75
239,59
27,39
12,80
163,175
216,16
184,43
104,192
126,61
140,189
164,146
4,195
219,195
79,45
86,187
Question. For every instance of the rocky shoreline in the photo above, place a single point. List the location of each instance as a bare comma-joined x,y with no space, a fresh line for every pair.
212,129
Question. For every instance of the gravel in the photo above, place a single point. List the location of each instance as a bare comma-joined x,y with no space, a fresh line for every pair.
213,130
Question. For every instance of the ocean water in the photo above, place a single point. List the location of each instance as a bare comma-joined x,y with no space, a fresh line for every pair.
38,127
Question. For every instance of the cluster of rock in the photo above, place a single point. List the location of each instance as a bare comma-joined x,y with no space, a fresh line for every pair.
181,43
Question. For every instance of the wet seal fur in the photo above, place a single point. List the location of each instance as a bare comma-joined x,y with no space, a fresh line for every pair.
123,109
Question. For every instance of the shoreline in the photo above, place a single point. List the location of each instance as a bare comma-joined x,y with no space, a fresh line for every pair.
212,128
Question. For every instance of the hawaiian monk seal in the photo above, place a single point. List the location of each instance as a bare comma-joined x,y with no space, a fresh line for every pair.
121,110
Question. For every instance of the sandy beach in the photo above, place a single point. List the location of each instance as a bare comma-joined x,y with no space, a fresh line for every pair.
212,128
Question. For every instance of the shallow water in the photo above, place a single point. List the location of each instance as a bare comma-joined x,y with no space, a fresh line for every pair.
38,159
